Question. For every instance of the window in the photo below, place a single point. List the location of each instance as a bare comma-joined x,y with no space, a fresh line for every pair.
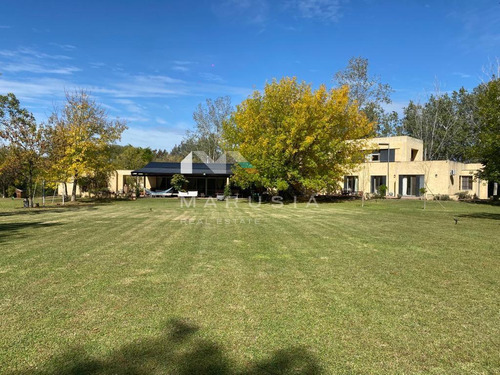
383,155
375,157
377,181
414,153
465,182
350,184
410,185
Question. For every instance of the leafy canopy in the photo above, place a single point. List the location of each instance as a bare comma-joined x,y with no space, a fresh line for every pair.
296,138
488,148
82,135
25,140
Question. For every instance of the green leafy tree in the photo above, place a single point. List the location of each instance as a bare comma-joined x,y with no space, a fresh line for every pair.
488,147
8,170
447,124
297,139
131,157
178,182
25,138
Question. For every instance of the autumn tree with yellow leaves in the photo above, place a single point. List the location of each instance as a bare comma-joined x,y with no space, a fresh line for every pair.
298,140
81,136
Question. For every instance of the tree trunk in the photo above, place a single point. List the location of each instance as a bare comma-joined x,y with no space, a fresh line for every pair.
73,192
30,187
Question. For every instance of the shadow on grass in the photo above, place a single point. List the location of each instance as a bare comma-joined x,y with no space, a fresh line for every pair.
178,350
50,209
481,215
12,229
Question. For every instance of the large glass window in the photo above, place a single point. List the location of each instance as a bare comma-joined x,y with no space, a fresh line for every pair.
410,185
383,155
465,182
377,181
351,184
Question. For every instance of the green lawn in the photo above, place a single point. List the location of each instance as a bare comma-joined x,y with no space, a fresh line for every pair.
135,288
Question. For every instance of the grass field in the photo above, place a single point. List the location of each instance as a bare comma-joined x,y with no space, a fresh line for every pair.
137,288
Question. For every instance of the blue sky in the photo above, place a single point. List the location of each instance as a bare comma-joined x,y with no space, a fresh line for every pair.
151,62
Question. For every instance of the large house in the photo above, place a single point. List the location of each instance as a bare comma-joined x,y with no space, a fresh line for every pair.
396,162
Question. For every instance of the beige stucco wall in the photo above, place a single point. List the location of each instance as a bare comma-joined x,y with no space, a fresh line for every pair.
115,184
403,145
438,176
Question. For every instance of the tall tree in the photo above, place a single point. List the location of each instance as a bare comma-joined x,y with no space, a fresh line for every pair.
86,134
447,124
369,93
209,119
9,167
131,157
488,147
296,138
25,138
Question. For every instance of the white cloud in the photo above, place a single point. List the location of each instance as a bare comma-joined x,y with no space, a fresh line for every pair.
461,75
156,138
183,62
33,88
36,68
131,106
180,68
211,77
247,11
97,65
65,47
161,121
35,62
326,10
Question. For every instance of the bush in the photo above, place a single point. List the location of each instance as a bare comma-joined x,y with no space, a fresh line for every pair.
227,190
463,196
442,197
381,191
178,182
11,191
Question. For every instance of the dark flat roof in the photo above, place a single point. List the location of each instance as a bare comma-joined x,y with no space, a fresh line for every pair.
155,168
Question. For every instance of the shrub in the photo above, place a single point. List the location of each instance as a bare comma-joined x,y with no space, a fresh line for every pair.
422,191
463,195
442,197
381,191
178,182
11,191
227,190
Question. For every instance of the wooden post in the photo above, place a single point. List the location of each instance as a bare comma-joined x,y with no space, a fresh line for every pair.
43,193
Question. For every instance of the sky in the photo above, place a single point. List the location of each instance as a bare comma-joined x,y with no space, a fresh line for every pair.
151,62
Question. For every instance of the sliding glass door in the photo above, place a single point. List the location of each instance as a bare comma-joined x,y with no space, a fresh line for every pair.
410,185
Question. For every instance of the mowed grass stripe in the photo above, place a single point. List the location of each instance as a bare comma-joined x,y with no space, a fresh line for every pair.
388,288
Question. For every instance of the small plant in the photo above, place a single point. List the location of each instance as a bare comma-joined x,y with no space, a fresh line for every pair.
442,197
227,190
463,196
178,182
381,191
11,191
